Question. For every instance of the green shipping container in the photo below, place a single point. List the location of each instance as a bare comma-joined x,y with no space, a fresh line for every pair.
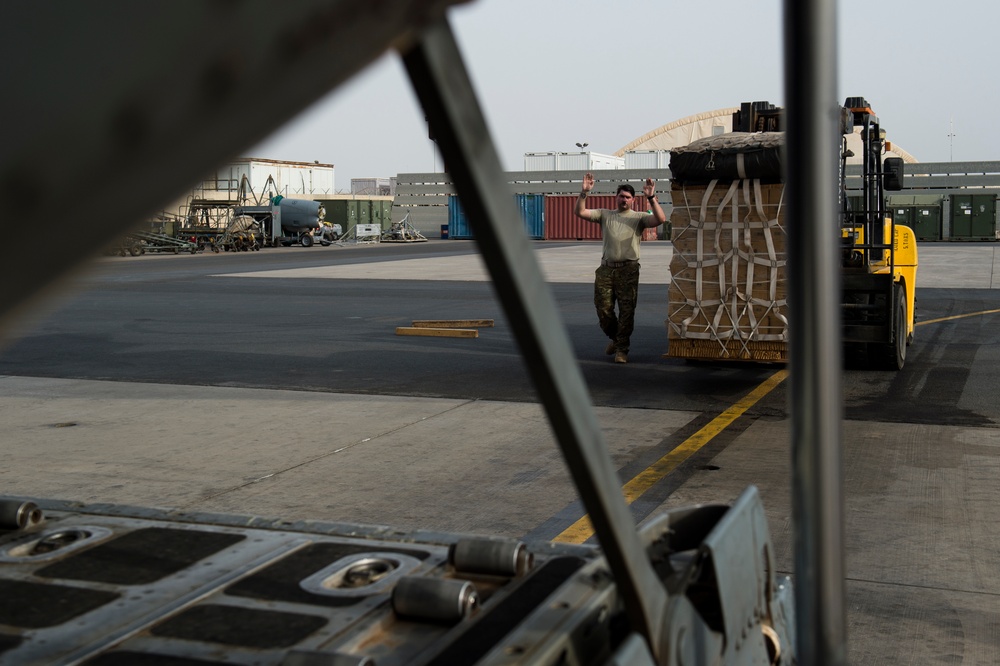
973,216
382,213
364,211
350,212
927,222
346,212
902,215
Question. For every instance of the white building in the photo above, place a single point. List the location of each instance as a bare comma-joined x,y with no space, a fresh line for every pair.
297,180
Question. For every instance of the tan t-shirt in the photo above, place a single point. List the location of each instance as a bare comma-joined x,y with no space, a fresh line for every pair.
621,233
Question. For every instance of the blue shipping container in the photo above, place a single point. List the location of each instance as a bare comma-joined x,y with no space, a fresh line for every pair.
531,207
458,226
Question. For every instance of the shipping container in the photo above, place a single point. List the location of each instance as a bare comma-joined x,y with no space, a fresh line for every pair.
351,211
531,207
458,226
345,212
973,217
561,223
382,213
902,214
927,222
647,159
921,212
571,161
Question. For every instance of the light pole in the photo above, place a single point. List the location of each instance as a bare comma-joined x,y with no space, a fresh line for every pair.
951,139
583,145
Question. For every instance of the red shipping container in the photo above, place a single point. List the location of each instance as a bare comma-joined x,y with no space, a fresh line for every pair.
562,224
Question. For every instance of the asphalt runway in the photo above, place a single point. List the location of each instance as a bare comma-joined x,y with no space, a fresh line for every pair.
324,319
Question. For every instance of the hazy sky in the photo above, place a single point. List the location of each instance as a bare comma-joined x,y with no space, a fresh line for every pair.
556,72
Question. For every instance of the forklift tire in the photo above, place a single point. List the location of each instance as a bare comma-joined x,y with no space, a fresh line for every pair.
135,251
895,351
306,240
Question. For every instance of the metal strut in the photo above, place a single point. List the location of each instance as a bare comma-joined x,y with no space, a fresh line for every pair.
442,84
815,360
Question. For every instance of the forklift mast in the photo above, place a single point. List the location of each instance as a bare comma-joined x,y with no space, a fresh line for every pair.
868,231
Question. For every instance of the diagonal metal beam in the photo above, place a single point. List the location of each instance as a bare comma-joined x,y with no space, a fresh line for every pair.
443,86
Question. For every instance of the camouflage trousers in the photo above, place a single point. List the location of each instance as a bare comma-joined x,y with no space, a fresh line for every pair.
619,285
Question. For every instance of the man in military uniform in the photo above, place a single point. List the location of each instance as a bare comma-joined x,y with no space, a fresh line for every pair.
617,278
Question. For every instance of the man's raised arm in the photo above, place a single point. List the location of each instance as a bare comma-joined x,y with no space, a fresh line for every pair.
581,209
659,217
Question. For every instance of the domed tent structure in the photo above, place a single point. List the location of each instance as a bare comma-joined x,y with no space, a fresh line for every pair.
711,123
682,132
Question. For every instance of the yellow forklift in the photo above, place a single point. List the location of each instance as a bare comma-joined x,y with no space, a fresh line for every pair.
879,257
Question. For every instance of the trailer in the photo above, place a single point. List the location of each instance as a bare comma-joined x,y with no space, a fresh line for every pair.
285,222
159,243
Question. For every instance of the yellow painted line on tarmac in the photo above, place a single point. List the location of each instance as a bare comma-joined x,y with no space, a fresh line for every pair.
582,530
961,316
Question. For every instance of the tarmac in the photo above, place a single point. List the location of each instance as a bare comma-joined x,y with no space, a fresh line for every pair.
922,533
